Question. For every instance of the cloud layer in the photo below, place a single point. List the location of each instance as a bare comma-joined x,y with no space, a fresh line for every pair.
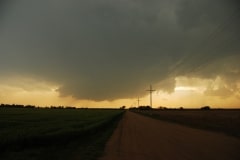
110,49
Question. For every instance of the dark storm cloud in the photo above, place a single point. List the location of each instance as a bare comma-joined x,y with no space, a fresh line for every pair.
110,49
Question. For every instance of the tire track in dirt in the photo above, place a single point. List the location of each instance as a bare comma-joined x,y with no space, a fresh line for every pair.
142,138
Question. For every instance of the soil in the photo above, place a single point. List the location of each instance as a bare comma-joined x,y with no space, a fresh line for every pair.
142,138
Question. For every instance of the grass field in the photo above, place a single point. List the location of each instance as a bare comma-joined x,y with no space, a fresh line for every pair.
55,133
221,120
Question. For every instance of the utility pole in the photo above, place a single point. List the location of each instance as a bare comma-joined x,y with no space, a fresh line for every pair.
138,101
150,91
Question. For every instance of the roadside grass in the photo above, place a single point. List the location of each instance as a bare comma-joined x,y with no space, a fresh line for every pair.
63,134
226,121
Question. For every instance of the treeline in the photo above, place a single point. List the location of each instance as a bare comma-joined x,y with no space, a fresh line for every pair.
33,106
141,108
165,108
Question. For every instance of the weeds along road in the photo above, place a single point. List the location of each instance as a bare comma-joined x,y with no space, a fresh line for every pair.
142,138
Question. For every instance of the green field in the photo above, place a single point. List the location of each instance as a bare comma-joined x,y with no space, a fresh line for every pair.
226,121
27,133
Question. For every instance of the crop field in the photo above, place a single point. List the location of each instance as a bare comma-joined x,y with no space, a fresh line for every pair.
27,133
221,120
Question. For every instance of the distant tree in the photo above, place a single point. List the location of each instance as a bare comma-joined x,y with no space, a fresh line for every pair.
60,107
29,106
53,107
181,108
69,107
12,106
162,107
132,108
19,106
123,107
144,107
205,108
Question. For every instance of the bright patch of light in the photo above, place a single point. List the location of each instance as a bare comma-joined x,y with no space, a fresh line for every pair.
185,88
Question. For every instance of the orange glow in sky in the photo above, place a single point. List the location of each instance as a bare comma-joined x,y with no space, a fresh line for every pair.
189,93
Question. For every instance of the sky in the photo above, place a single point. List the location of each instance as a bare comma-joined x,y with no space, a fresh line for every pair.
106,53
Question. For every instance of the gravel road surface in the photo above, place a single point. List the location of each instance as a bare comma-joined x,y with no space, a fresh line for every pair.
142,138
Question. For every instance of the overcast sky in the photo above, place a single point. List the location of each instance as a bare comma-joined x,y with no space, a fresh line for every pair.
113,49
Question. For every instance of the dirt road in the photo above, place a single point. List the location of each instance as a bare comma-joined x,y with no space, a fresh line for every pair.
142,138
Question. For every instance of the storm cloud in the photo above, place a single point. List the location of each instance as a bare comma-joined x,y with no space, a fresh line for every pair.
111,49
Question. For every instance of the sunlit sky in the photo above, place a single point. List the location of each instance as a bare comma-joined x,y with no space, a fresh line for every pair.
106,53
